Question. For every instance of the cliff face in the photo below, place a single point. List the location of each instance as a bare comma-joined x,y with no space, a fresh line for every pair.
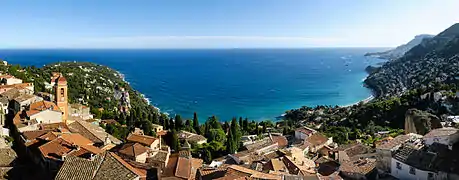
420,122
434,60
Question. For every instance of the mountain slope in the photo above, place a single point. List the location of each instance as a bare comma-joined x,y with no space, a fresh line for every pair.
433,62
402,49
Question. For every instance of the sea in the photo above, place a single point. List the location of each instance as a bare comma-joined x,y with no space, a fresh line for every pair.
259,84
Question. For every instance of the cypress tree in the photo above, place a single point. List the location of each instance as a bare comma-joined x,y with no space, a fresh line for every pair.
196,124
171,123
236,133
230,143
174,140
178,122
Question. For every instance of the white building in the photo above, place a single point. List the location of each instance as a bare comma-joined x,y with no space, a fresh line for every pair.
446,136
10,80
413,164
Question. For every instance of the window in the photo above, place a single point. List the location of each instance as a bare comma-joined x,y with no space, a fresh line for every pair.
412,170
399,166
62,92
430,176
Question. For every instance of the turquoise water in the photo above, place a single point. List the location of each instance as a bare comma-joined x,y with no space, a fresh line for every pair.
255,83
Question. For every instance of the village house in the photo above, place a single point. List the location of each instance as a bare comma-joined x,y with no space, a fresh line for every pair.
104,166
134,151
28,86
181,166
446,136
360,169
9,80
352,152
149,141
15,92
303,132
94,133
386,148
24,101
317,141
263,146
157,128
192,137
37,113
326,166
79,110
411,163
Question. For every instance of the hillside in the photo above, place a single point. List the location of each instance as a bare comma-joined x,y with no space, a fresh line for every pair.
432,63
402,49
89,84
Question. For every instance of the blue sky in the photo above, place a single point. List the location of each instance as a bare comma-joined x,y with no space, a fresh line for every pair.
220,24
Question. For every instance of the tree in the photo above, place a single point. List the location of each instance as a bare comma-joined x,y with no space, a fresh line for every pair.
214,123
196,123
230,148
178,122
264,127
188,126
217,135
171,123
174,140
245,125
166,123
207,155
240,122
147,127
236,134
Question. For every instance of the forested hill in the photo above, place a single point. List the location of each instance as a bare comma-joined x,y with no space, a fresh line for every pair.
88,83
432,63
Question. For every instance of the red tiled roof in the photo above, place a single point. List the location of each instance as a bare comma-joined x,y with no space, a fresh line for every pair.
142,139
183,168
316,139
281,141
44,105
133,149
31,135
305,130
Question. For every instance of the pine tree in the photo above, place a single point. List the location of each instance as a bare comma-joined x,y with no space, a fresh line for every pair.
178,122
257,130
196,124
240,122
264,127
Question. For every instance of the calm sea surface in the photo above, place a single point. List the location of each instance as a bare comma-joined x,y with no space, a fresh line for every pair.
255,83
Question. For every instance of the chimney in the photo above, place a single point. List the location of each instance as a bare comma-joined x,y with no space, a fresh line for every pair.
63,156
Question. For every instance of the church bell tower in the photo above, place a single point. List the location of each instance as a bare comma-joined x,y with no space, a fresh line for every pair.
60,88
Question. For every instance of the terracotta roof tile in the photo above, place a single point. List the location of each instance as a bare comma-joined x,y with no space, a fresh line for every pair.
142,139
31,135
316,139
281,141
106,166
92,132
133,149
360,166
44,105
55,149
